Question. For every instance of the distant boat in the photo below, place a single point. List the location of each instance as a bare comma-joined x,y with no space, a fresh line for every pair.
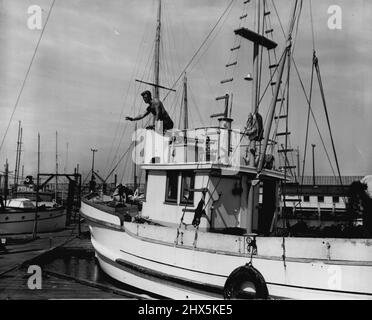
18,214
18,217
203,232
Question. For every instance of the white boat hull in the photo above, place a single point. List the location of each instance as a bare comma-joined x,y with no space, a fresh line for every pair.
17,222
146,256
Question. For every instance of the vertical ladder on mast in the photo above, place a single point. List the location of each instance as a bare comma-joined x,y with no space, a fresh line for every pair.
282,114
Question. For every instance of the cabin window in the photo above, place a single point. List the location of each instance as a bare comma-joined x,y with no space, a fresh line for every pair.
336,199
187,183
306,198
320,198
172,187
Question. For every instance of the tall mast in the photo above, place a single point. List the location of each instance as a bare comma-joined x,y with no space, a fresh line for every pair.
66,162
256,62
6,181
17,153
157,52
56,184
34,232
286,55
185,107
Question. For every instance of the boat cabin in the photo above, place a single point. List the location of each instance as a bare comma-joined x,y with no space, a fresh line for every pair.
22,203
210,164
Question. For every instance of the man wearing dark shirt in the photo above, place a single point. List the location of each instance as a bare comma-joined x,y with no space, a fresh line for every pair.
161,118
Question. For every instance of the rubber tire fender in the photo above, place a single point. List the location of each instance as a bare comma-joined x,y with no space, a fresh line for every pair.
246,273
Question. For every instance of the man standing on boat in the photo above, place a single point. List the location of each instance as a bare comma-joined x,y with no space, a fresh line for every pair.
161,119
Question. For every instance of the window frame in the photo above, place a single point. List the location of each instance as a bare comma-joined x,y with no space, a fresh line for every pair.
171,200
191,174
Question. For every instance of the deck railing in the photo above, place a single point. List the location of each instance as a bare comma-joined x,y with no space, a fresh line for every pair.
202,145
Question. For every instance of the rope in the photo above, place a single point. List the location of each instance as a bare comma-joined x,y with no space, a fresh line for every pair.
135,71
307,123
326,112
121,158
312,25
27,74
313,116
202,45
277,14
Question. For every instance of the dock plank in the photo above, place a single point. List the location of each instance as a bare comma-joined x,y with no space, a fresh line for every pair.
23,248
14,286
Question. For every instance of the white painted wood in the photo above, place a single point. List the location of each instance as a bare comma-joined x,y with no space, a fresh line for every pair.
23,222
311,264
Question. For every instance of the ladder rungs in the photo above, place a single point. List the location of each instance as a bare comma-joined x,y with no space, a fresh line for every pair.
287,167
227,80
274,66
243,16
231,64
222,97
274,83
291,200
283,133
235,48
281,117
267,13
269,31
198,190
280,99
217,115
286,150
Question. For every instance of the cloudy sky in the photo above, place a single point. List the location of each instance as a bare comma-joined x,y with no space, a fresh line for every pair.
82,80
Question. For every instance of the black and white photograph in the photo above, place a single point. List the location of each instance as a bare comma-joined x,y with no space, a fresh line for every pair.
194,151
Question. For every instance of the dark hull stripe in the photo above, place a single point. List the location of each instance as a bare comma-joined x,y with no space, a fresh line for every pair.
207,287
183,284
32,220
173,266
270,283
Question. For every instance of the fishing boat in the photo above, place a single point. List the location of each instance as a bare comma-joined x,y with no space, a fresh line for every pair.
209,223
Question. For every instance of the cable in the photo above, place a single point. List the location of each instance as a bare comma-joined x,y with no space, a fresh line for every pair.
27,74
202,45
307,124
313,116
326,112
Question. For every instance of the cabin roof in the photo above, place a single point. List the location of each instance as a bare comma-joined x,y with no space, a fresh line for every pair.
265,174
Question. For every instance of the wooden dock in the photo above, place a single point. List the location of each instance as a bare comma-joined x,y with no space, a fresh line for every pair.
22,253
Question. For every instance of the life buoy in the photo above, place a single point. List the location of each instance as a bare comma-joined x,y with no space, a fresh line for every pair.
245,282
